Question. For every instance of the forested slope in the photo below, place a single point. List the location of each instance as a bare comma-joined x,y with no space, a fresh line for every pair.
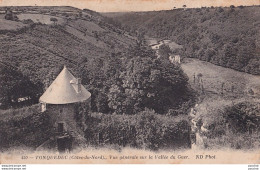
122,74
224,36
33,49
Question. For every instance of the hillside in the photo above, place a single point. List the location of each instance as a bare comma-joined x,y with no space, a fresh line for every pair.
227,37
227,111
33,48
132,91
220,87
138,99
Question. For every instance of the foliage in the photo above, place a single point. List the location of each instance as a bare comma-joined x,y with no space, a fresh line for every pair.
28,21
120,80
26,127
198,30
17,89
31,52
236,126
130,81
9,15
146,130
244,117
164,51
148,82
54,20
234,141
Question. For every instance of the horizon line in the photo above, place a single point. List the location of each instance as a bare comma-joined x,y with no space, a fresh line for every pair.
253,5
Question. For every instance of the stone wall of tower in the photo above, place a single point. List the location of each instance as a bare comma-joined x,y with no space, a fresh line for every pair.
67,114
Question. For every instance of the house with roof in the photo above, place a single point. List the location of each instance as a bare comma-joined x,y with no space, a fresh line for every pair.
175,58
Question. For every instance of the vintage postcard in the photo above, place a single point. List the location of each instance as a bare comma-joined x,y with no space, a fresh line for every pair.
130,82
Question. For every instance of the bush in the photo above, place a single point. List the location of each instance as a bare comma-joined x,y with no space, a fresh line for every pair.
234,141
146,130
54,20
220,10
243,118
235,127
28,21
26,127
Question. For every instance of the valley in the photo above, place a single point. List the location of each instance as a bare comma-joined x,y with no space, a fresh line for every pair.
139,100
218,88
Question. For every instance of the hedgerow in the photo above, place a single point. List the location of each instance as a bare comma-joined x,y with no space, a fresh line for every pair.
145,130
26,127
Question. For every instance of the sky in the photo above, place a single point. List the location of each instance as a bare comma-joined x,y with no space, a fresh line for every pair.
128,5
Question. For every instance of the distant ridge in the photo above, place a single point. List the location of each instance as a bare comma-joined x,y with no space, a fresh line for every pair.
226,36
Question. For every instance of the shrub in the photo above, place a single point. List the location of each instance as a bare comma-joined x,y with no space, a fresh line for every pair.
243,117
26,127
235,127
54,20
28,21
146,130
220,10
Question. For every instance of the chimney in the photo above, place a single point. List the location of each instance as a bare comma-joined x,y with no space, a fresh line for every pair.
78,83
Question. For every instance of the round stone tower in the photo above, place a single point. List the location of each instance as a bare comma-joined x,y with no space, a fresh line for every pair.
61,101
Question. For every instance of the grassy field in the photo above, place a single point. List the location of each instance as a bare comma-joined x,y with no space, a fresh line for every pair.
9,25
44,19
213,76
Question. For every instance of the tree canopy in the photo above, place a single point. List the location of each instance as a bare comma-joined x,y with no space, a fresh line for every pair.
148,82
16,88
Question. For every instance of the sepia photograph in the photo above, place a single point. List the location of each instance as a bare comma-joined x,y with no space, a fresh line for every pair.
129,82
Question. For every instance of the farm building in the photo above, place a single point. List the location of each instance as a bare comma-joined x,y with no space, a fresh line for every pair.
61,101
175,59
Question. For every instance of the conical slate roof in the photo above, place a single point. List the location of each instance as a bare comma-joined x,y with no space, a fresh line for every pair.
63,90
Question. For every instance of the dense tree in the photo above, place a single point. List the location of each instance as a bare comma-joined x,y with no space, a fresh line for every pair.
198,31
253,66
243,117
164,51
148,83
9,15
16,89
54,20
